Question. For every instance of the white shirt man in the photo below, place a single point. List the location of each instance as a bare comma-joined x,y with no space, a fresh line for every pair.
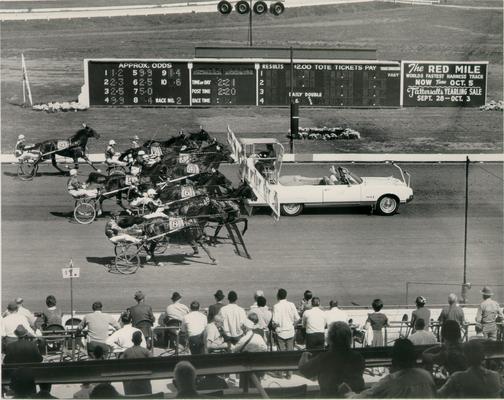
314,322
250,342
233,316
421,336
214,341
335,314
194,323
120,340
285,315
12,321
177,310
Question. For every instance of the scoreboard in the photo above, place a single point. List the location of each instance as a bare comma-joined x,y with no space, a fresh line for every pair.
268,82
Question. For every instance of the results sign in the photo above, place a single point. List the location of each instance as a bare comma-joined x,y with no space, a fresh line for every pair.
444,84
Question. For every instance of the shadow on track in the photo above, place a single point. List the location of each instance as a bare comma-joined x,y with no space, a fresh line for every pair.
15,175
70,216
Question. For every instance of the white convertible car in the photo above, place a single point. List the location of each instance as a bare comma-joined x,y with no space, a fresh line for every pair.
342,188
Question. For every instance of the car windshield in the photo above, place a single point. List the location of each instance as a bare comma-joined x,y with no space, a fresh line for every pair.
353,177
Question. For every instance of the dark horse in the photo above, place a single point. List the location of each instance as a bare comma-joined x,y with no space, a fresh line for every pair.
74,147
117,184
192,141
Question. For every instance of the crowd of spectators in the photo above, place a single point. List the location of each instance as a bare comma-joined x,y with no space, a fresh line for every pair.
447,367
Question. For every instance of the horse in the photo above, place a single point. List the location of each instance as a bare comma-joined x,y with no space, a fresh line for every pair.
110,183
190,142
74,147
191,233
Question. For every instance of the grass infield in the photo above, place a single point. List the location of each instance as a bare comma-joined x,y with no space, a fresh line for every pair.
54,51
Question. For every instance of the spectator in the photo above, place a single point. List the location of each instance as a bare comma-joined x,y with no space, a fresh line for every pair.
214,309
285,316
405,380
453,312
263,314
11,321
377,321
479,333
84,392
104,391
252,316
52,315
137,386
24,311
305,303
23,384
194,325
449,354
258,293
476,381
250,342
314,323
233,316
421,312
185,380
422,336
335,314
488,314
45,391
23,350
120,340
98,326
339,364
214,339
176,310
142,317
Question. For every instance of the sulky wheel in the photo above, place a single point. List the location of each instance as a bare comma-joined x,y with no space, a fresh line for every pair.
116,170
26,171
387,205
84,212
127,260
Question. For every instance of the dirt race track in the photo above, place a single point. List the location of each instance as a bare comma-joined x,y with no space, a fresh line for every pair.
340,253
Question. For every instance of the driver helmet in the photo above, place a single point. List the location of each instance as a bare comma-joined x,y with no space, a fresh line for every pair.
135,171
21,137
135,138
183,147
141,153
73,172
111,142
151,193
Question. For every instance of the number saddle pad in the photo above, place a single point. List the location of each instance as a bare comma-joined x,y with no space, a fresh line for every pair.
192,169
175,223
184,158
186,192
62,144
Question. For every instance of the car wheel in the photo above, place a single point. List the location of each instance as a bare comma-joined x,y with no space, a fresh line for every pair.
387,205
291,209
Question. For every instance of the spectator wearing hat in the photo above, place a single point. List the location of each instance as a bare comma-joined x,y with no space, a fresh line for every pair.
488,314
11,321
120,340
339,364
214,336
193,325
314,323
233,316
452,312
421,312
23,350
142,317
137,350
377,321
421,335
176,310
52,315
214,309
474,382
98,324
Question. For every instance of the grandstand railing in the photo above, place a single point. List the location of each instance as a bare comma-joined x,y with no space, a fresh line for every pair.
117,370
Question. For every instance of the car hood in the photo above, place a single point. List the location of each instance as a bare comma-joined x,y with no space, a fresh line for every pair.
378,181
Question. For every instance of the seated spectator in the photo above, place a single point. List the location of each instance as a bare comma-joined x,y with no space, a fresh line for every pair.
23,384
24,350
421,336
453,312
405,380
120,340
11,321
213,337
421,312
185,380
194,325
104,391
449,354
176,310
314,323
377,321
339,364
52,315
250,342
137,386
45,391
98,327
476,381
255,320
214,309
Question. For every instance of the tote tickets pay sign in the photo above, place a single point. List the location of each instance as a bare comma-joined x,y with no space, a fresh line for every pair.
444,84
